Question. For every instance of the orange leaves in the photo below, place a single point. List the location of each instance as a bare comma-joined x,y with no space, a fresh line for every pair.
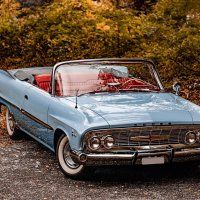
102,26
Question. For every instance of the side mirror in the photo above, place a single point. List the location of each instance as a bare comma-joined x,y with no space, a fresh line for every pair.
177,88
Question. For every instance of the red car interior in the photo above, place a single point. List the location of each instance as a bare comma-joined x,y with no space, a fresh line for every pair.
89,82
43,81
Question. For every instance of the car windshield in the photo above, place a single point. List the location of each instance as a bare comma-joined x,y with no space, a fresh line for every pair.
86,78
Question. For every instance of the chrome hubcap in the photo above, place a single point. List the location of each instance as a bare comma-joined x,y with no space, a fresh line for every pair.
67,158
11,122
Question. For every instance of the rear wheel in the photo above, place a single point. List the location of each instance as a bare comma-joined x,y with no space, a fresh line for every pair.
13,131
68,166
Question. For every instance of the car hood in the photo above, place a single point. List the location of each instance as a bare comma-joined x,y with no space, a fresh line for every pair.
136,109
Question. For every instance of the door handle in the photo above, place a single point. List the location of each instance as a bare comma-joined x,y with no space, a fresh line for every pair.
26,97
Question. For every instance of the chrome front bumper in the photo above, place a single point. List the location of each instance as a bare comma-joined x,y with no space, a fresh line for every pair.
135,156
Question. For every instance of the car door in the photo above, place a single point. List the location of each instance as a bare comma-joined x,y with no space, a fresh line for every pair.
12,93
12,90
35,108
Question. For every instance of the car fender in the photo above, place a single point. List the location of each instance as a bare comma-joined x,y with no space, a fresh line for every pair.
63,115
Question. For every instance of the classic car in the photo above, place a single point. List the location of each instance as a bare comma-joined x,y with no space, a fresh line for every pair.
101,112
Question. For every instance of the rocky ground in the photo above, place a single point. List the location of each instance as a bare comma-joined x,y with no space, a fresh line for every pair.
30,171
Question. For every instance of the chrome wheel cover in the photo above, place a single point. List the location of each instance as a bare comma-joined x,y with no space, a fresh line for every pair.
67,158
11,122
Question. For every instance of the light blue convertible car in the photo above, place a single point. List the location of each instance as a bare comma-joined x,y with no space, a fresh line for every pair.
101,112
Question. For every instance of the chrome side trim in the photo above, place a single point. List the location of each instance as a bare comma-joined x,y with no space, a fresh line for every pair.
27,114
36,119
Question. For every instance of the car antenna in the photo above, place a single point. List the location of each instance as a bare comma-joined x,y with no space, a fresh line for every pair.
76,98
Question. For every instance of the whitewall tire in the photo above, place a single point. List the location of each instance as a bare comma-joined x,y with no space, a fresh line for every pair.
11,125
66,163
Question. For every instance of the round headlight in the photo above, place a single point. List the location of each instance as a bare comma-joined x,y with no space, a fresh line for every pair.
198,135
109,142
94,143
190,137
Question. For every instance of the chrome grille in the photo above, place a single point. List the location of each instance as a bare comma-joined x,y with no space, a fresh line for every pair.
144,136
150,137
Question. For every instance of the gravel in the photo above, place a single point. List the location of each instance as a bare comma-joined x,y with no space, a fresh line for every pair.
30,171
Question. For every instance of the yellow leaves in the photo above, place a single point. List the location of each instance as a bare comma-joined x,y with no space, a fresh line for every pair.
101,4
71,29
91,3
89,15
102,26
8,12
9,7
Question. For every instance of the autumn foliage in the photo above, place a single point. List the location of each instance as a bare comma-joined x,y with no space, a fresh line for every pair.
42,34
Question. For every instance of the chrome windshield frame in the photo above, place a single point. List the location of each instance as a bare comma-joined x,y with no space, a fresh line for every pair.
107,61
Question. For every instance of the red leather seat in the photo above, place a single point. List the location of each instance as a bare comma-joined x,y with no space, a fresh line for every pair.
43,81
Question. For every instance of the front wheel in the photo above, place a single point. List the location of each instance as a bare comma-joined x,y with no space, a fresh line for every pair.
68,166
13,131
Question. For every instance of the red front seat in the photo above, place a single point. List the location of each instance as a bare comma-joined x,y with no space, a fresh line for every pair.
43,81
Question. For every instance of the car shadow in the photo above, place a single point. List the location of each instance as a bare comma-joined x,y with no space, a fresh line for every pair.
151,173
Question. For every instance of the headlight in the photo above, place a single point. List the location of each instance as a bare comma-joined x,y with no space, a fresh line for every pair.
94,143
198,135
190,137
109,142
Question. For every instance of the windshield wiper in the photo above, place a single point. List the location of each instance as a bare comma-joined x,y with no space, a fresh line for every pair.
136,90
92,92
119,90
